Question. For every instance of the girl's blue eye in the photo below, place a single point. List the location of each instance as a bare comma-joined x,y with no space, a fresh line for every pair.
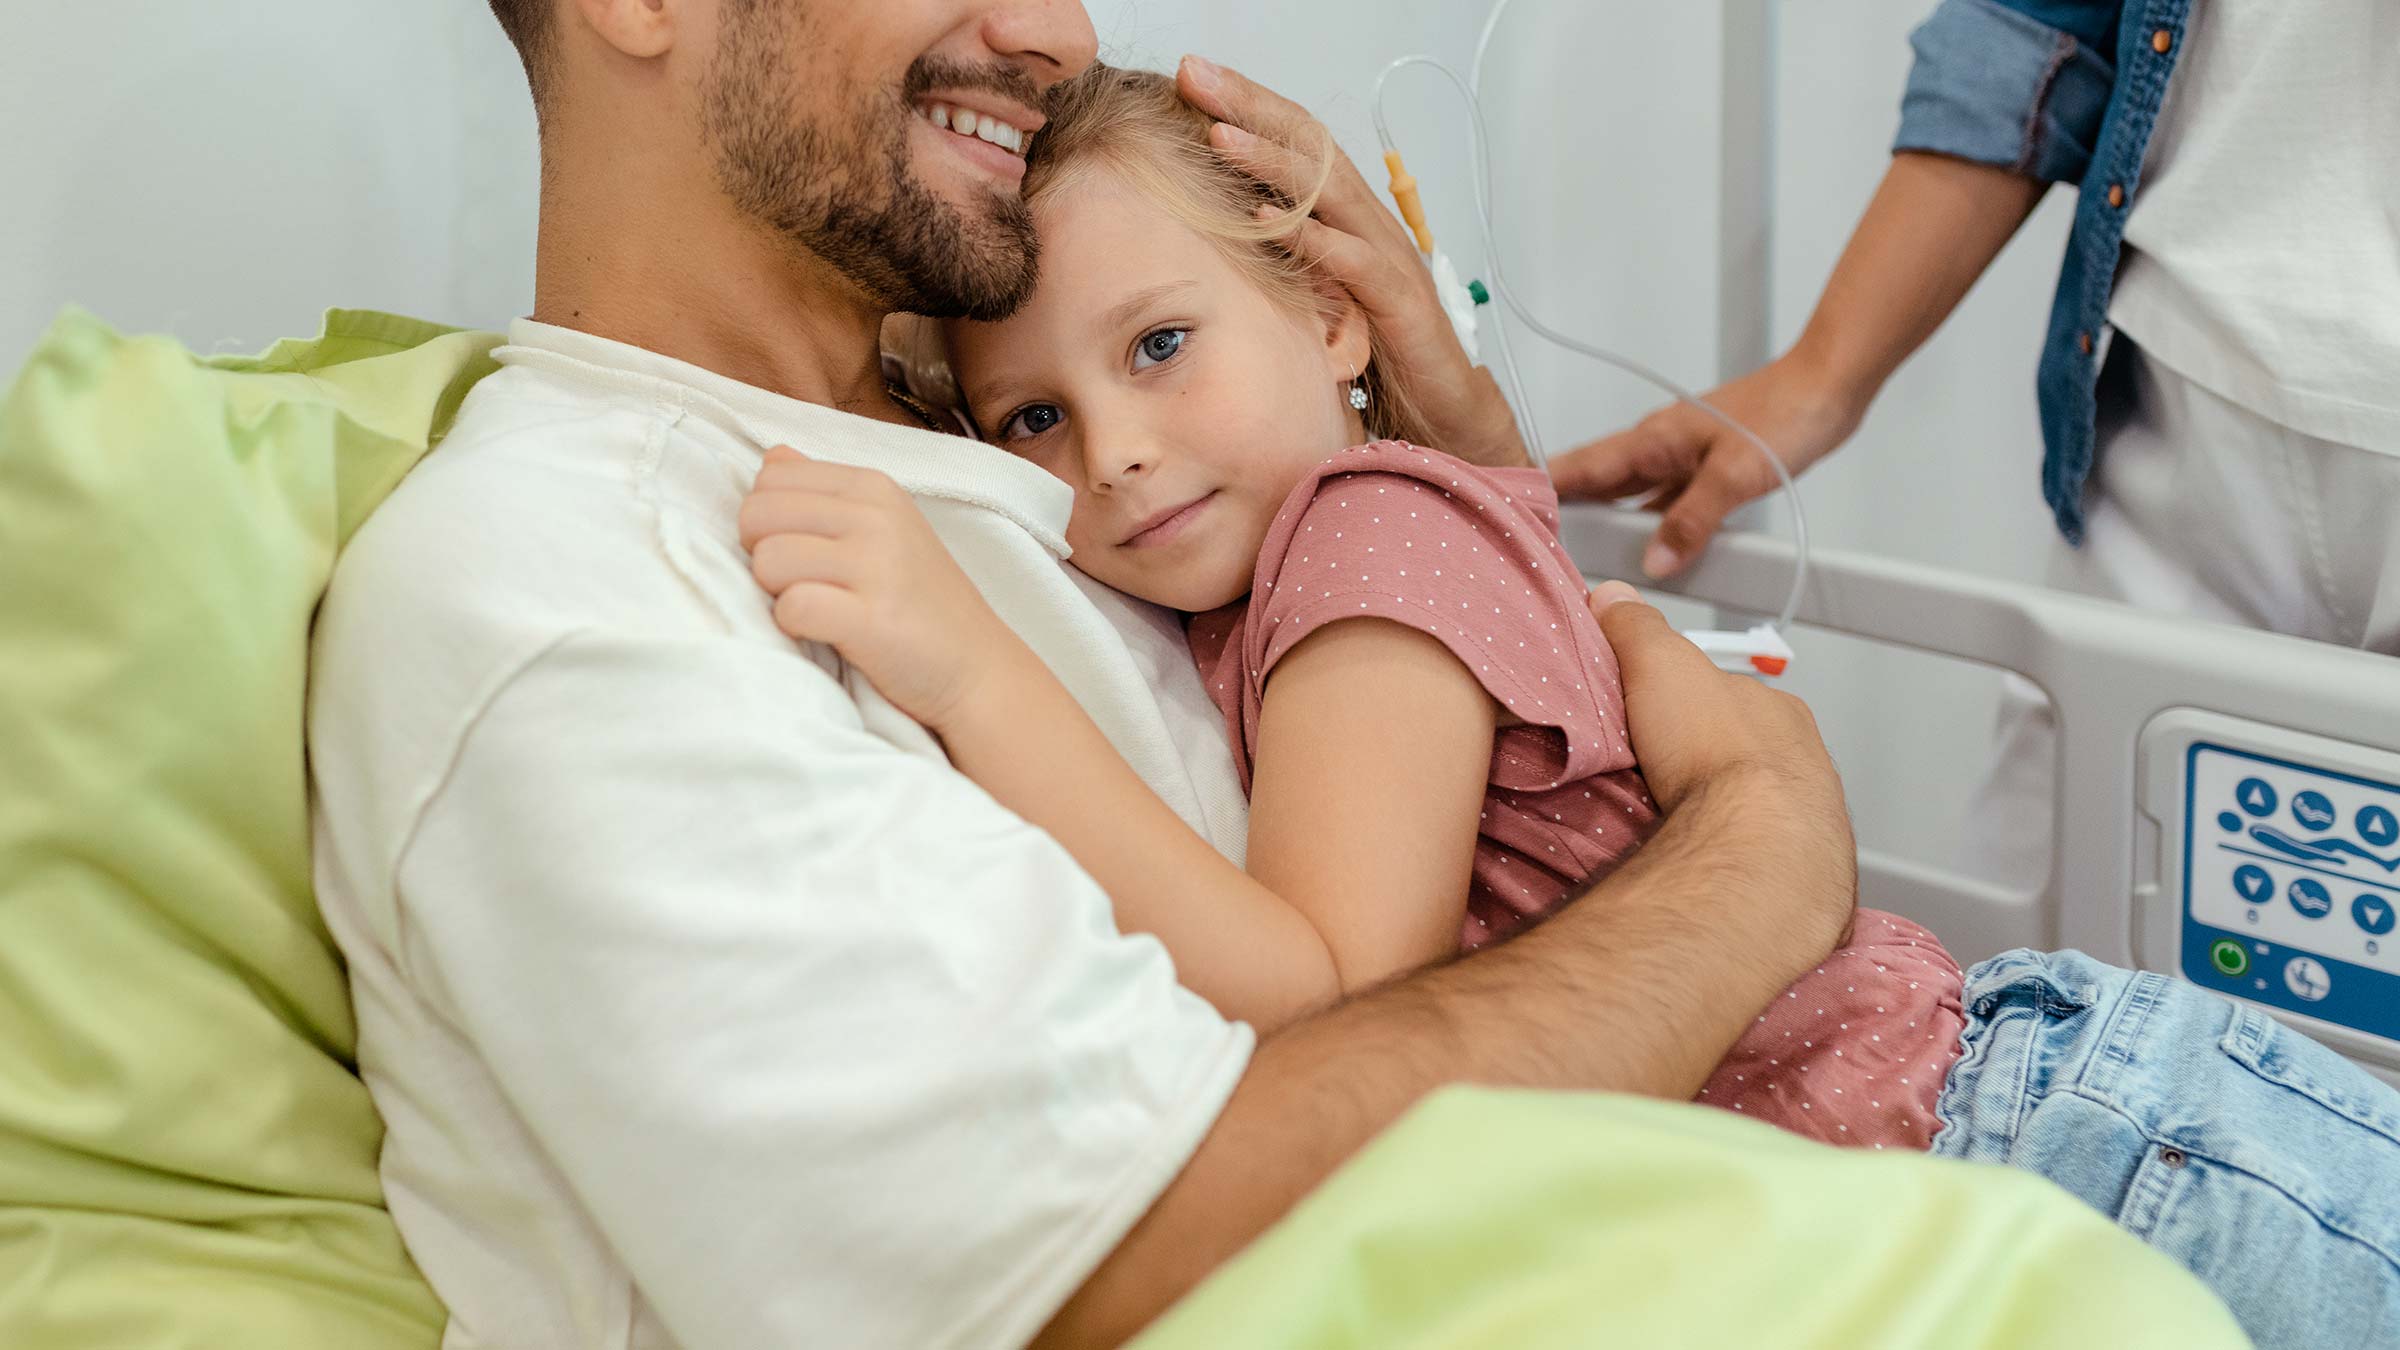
1031,420
1158,346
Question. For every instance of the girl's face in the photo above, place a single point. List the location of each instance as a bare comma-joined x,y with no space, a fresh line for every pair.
1178,399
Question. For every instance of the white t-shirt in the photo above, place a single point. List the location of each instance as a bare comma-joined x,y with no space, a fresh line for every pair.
707,1006
2263,245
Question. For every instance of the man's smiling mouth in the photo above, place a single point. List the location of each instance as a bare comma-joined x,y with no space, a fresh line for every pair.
980,125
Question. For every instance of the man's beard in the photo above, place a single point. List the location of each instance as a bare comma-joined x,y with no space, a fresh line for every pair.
846,193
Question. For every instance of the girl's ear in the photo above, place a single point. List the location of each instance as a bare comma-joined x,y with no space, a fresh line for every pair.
1349,344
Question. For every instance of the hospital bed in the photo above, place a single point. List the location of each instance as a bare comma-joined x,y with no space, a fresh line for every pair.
2227,801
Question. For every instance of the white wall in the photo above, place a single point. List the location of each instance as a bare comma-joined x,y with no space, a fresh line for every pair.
227,172
224,173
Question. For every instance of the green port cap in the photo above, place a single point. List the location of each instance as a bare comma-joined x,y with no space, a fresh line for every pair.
1482,296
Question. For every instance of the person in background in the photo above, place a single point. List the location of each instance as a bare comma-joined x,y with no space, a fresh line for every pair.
2220,383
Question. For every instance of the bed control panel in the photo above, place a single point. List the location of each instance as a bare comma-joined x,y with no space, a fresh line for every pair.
2278,875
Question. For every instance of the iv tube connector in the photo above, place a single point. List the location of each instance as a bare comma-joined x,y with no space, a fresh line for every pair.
1412,207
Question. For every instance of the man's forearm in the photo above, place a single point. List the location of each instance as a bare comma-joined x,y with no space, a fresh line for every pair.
1640,987
1932,228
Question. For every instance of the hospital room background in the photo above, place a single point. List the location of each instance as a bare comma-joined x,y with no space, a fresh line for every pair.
1671,181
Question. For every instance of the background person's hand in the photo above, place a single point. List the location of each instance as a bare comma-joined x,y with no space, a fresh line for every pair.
1697,470
1356,240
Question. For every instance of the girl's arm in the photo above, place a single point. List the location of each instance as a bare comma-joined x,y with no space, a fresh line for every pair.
1363,816
1023,738
1374,749
851,562
1375,746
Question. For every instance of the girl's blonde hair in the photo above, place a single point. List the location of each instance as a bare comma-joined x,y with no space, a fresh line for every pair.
1135,124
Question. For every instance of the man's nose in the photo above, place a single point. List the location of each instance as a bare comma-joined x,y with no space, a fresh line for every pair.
1052,38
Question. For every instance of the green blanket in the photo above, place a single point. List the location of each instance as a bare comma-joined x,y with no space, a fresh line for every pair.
1522,1221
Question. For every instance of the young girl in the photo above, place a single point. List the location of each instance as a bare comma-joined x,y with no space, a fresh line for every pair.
1424,711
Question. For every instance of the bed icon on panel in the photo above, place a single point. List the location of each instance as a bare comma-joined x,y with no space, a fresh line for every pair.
2313,811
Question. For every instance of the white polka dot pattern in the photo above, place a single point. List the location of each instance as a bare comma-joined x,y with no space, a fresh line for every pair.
1565,802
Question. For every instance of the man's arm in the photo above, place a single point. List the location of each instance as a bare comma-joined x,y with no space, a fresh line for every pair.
1641,986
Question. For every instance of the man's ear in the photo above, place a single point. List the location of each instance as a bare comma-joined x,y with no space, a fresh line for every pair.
637,28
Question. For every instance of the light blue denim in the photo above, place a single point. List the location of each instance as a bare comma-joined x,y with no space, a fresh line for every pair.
2265,1163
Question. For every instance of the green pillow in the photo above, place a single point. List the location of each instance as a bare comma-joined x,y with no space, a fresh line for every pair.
1525,1221
187,1155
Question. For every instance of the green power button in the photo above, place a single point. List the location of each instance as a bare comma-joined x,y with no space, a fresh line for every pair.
2228,957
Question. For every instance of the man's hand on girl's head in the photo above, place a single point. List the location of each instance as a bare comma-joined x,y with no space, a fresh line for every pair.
1355,240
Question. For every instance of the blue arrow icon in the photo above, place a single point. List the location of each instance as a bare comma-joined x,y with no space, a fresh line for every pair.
2253,882
2373,912
2255,797
2312,810
2378,826
2310,897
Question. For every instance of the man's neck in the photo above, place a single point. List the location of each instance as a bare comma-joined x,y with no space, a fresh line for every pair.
680,274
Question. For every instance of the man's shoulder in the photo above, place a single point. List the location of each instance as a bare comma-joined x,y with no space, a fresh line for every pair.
542,511
523,430
538,522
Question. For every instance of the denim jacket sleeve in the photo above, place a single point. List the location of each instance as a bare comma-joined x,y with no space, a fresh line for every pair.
2021,84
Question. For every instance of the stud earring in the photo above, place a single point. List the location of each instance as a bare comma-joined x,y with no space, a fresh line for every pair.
1358,392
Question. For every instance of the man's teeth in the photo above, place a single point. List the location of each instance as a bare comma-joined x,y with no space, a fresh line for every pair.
968,123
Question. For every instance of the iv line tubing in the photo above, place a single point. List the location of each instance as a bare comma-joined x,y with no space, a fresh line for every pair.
1483,46
1491,244
1520,404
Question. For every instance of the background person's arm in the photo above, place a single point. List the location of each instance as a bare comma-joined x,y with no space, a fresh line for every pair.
2005,97
1641,986
1932,228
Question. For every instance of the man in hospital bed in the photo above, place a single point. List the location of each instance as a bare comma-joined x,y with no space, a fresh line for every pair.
705,1004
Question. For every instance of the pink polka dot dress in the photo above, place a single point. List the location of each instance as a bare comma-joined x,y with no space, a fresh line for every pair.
1855,1052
